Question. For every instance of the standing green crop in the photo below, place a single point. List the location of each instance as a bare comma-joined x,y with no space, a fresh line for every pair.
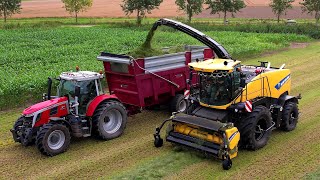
225,6
312,6
9,7
280,7
76,6
190,7
140,6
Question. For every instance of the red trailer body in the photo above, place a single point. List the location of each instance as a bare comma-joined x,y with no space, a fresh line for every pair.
144,82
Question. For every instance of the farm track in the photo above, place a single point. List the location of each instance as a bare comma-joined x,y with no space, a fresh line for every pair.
287,156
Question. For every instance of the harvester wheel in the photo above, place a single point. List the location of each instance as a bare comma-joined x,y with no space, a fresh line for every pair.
179,104
253,128
158,141
227,164
109,120
53,139
290,116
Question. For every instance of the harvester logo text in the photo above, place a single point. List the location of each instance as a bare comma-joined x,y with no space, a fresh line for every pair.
282,82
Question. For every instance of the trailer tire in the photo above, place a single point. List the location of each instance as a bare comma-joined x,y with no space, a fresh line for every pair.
179,104
252,135
290,116
109,120
53,139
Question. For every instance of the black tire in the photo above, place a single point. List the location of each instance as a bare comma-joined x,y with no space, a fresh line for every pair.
106,128
290,116
158,141
252,138
17,130
179,104
227,164
47,137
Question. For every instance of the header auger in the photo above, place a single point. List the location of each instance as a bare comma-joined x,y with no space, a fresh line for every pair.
233,105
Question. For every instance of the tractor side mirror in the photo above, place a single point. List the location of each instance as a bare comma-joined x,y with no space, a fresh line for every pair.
77,91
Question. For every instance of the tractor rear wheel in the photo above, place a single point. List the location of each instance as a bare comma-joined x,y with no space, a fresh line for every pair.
290,116
53,139
178,104
253,128
109,120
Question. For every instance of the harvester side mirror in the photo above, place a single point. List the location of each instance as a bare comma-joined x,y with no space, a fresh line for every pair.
77,91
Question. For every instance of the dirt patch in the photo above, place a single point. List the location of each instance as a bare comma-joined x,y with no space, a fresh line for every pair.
294,45
298,45
83,26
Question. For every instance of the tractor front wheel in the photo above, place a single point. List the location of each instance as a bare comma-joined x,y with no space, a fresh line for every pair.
53,139
255,128
109,120
17,130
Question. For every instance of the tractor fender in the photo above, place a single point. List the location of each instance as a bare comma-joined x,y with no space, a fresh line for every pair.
97,100
286,98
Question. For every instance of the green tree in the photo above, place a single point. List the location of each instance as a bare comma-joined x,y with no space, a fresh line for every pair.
140,6
9,7
225,6
280,7
190,7
77,6
312,6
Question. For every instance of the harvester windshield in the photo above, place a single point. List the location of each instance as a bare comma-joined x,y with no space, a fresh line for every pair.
218,88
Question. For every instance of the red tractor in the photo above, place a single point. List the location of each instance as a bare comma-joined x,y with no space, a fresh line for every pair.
80,109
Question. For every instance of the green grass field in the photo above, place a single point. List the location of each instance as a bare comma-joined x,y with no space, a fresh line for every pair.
288,155
29,55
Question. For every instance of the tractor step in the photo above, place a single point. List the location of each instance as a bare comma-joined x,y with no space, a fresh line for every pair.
85,128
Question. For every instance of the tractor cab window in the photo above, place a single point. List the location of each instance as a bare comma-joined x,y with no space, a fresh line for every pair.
88,91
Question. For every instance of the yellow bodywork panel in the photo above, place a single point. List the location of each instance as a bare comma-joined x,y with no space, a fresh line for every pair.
232,136
214,64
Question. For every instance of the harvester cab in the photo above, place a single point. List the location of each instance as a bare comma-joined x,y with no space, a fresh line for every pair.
232,105
80,109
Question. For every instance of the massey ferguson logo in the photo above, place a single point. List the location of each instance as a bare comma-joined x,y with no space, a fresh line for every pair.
282,82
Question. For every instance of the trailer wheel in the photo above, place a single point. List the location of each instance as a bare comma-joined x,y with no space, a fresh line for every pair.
290,116
53,139
252,128
179,104
109,120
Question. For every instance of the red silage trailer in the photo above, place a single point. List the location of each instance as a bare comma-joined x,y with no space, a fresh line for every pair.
144,82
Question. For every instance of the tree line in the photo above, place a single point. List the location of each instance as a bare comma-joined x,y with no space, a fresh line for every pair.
190,7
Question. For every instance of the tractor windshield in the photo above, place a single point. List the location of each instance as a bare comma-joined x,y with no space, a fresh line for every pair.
219,88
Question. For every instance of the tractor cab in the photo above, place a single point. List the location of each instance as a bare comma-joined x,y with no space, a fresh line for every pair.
219,80
88,84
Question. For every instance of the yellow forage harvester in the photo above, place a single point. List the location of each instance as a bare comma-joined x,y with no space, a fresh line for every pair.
232,105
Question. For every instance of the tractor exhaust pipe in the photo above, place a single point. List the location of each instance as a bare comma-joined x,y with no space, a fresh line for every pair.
49,87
